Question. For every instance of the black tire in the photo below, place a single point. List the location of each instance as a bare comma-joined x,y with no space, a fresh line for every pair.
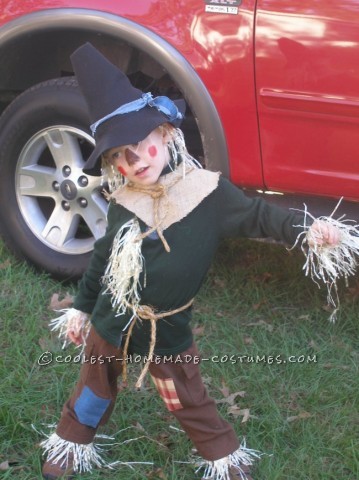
51,213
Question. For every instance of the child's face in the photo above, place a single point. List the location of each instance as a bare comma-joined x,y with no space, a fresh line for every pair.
143,162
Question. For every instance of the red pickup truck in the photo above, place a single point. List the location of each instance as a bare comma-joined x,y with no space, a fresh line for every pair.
272,88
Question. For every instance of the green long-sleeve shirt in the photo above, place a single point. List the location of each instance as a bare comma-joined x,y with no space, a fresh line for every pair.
173,278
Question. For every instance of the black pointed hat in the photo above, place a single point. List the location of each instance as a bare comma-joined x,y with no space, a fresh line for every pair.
120,113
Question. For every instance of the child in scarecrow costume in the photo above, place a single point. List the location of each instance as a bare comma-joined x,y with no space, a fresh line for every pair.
166,218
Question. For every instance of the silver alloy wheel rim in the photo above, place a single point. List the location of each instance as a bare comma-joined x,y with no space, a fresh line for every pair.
61,205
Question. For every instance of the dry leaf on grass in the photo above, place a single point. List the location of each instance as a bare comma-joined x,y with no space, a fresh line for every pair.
224,390
207,380
165,438
257,306
332,365
353,292
327,308
4,465
44,343
57,304
157,474
262,277
139,427
220,283
198,330
295,399
261,323
4,265
229,397
236,411
313,344
300,416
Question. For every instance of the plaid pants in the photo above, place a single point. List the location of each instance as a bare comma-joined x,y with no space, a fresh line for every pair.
178,382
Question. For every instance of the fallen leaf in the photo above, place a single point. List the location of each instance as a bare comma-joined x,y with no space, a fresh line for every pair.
248,340
293,404
220,283
261,323
300,416
121,386
328,308
313,345
57,304
198,331
163,416
4,265
44,343
47,409
230,399
263,277
332,365
206,380
257,306
157,474
165,439
224,390
236,411
353,292
139,427
4,465
246,415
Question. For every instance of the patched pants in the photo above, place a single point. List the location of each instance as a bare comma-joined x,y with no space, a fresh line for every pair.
179,383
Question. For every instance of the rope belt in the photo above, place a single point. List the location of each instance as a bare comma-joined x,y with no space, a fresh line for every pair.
145,312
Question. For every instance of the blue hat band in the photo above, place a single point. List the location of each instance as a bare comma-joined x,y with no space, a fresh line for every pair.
162,104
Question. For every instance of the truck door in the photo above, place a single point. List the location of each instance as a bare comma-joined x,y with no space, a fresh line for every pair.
307,82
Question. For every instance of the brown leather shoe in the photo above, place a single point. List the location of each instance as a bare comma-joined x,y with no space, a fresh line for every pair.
52,471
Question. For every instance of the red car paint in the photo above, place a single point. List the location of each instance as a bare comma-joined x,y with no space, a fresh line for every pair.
273,84
284,77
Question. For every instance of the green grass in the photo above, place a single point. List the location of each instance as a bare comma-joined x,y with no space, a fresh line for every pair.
257,305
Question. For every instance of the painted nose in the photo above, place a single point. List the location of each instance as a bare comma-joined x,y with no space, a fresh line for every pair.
131,157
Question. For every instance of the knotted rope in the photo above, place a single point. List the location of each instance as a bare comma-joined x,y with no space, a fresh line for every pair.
145,312
157,192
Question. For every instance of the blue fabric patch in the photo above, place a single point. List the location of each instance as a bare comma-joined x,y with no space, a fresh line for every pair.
90,408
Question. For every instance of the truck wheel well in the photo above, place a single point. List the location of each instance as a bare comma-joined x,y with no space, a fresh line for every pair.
37,47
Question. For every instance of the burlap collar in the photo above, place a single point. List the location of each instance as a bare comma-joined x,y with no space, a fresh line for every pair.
180,196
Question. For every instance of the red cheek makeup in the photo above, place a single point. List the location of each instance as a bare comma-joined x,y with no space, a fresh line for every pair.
152,151
122,171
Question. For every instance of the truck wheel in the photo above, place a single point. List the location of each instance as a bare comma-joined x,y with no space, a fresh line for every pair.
51,213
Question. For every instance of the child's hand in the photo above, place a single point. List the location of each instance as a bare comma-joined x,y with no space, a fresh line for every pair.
75,329
73,325
322,233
